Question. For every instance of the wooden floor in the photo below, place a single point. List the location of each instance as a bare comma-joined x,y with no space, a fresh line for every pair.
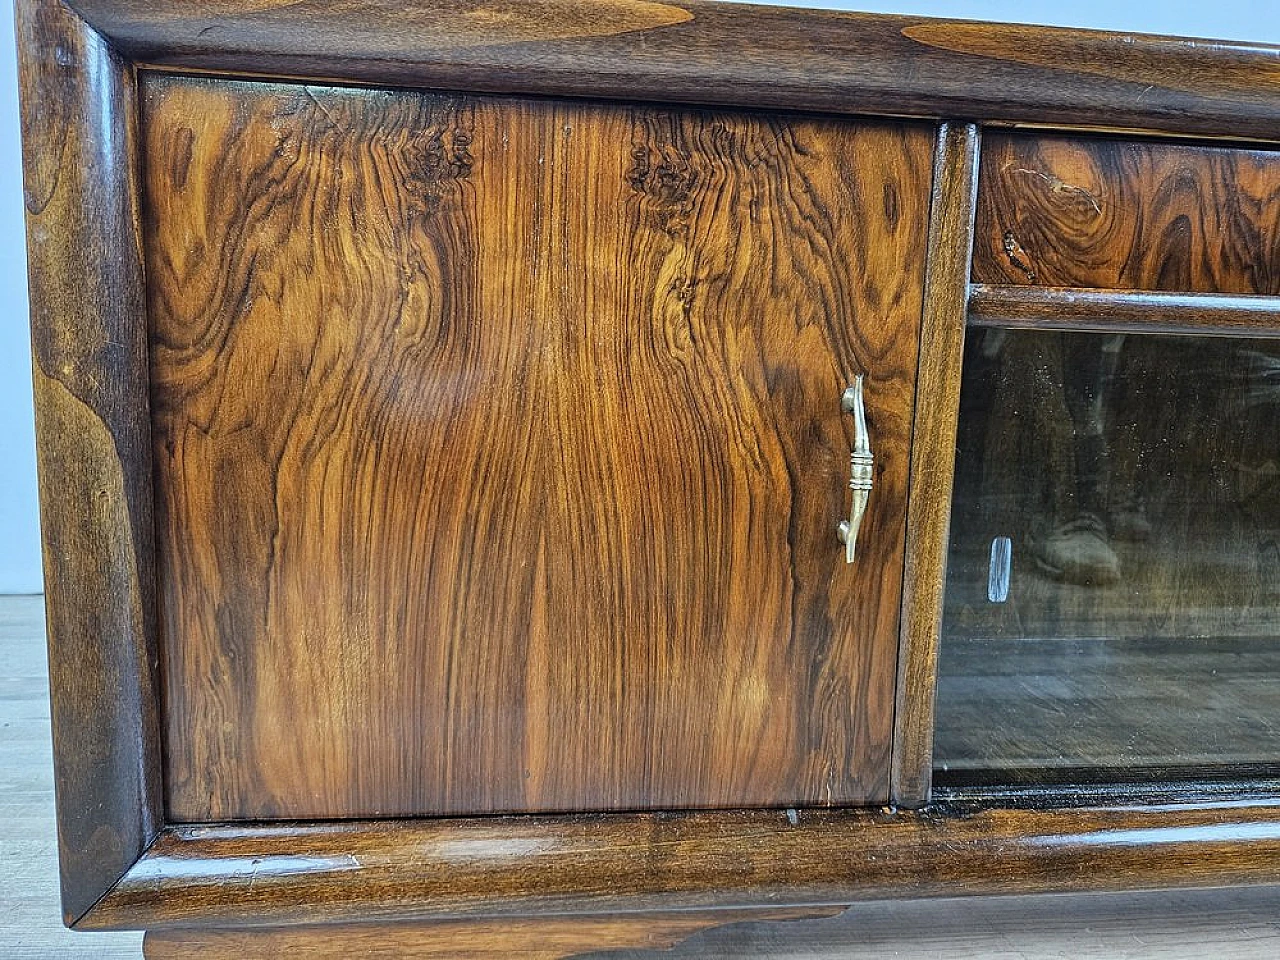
30,923
1227,925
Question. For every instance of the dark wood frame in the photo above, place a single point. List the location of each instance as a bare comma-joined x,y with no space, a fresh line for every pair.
88,325
123,866
1124,311
933,454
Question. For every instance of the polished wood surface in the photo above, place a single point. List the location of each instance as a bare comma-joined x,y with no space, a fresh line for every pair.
550,938
89,349
31,924
721,53
499,450
1127,214
1124,311
269,875
933,457
414,202
1235,924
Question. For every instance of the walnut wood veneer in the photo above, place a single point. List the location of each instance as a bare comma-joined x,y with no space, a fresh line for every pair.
513,428
1110,213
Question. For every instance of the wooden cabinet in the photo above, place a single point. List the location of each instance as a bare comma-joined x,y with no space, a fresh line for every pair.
446,416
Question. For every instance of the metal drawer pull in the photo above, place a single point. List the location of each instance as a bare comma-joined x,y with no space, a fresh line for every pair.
861,468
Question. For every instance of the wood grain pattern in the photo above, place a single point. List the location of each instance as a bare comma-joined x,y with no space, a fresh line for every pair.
1173,925
499,450
90,374
1124,311
549,938
1132,215
721,53
31,926
933,458
1234,924
538,866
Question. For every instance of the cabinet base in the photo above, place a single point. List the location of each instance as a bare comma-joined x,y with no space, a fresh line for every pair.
549,938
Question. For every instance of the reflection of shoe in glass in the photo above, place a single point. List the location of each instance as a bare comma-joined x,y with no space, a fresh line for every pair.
1077,551
1129,521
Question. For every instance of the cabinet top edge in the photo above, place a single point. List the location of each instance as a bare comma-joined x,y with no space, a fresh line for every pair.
723,54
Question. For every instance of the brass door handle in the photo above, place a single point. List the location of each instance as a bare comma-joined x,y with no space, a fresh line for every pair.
861,468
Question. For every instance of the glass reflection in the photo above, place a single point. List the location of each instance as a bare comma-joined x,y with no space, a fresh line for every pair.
1130,619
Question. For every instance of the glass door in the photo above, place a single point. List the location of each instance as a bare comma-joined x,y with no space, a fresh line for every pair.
1113,591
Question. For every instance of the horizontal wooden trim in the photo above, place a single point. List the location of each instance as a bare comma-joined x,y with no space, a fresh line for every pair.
271,875
1116,311
721,53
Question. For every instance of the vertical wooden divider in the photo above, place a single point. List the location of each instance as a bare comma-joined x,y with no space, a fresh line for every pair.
933,457
88,324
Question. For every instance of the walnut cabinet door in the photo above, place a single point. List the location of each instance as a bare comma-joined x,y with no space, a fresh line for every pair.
499,449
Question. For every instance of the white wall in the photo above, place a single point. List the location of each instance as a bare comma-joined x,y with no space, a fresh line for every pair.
19,530
1256,21
1249,20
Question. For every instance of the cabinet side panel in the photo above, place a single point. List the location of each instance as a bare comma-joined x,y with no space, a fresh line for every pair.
500,450
94,456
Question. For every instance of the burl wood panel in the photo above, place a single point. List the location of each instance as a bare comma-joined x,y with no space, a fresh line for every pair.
499,450
1130,215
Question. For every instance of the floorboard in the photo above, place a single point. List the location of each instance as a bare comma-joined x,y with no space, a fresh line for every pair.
30,921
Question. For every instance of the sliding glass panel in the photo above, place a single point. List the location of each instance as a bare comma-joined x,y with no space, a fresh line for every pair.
1113,587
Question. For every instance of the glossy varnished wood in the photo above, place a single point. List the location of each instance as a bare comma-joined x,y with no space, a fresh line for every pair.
933,457
722,53
499,450
537,866
1133,215
89,348
1235,924
1128,311
547,938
